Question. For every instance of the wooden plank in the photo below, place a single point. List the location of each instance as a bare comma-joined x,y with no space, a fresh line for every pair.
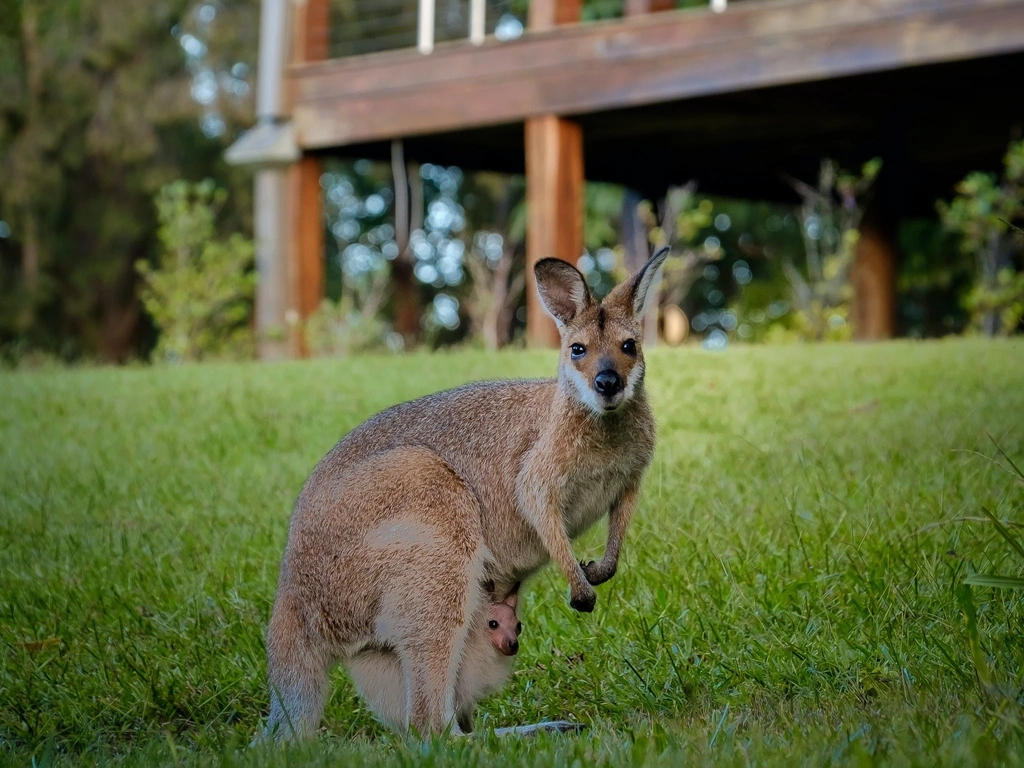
642,35
554,209
646,59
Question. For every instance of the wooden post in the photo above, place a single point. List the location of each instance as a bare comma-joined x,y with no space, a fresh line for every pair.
306,265
554,209
554,185
305,223
546,14
639,7
873,275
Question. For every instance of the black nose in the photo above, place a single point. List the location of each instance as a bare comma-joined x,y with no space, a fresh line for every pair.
607,383
513,648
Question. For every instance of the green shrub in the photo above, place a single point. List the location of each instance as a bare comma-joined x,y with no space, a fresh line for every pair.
982,214
337,329
831,214
200,296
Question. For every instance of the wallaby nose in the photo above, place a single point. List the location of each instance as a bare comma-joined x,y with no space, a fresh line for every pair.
607,383
513,648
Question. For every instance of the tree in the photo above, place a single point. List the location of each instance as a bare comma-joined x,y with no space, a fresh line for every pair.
496,261
97,112
831,212
983,214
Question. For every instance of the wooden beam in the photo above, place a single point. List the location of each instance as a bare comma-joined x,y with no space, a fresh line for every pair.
554,185
648,59
306,246
873,310
311,31
305,222
554,209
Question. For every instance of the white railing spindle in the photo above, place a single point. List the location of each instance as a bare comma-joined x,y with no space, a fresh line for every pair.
425,36
477,9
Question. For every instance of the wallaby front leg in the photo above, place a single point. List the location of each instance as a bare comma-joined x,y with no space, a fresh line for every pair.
618,522
542,512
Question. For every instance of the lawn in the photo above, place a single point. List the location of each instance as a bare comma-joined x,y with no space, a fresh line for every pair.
789,595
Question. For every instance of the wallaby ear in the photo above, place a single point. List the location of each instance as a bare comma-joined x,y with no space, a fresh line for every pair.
635,294
512,598
562,289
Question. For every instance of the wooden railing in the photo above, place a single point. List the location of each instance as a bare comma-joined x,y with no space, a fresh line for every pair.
367,26
478,19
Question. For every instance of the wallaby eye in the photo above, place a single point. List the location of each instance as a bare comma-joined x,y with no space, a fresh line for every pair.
578,351
629,347
492,624
519,627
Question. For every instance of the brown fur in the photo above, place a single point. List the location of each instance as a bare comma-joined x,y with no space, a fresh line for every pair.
408,514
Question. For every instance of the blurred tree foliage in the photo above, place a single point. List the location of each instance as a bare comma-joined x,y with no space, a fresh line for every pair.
200,294
933,281
983,214
831,212
101,103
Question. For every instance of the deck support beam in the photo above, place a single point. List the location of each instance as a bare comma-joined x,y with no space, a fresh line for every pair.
639,7
873,311
305,218
554,209
306,263
873,272
554,185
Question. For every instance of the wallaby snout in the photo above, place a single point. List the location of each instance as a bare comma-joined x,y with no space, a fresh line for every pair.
608,383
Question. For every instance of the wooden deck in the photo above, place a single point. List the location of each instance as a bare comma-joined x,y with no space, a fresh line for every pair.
644,60
735,100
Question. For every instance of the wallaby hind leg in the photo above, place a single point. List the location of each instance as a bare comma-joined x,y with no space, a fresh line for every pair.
430,674
297,670
431,646
377,677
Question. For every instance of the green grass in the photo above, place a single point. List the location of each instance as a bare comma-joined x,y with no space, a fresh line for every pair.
785,597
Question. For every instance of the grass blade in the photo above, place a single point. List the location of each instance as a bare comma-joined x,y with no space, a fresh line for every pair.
1004,531
991,580
1016,470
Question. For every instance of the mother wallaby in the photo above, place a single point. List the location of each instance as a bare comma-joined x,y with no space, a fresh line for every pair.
410,512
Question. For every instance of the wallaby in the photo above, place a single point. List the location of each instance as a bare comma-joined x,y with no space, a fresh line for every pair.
410,512
486,666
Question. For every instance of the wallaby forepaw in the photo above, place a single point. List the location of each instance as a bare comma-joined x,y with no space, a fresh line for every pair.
583,603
